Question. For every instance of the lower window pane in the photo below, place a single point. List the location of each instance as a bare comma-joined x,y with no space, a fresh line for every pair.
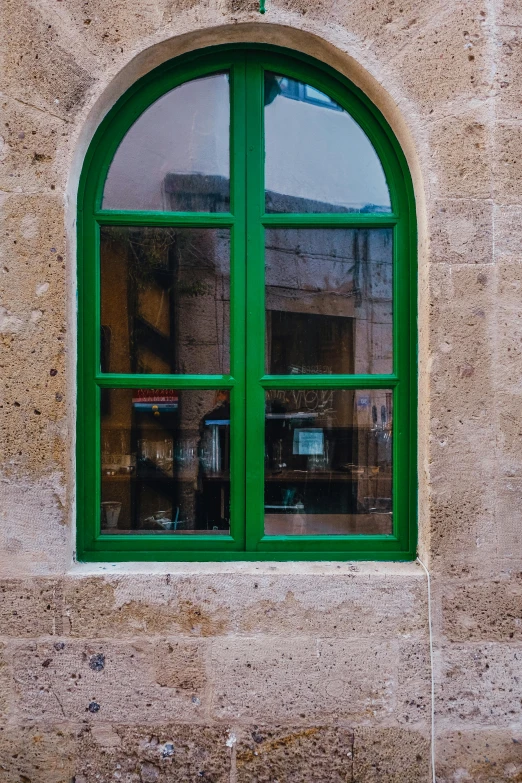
165,462
328,462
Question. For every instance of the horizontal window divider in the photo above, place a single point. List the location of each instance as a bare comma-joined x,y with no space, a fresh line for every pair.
128,540
113,381
328,220
182,219
166,554
327,539
329,381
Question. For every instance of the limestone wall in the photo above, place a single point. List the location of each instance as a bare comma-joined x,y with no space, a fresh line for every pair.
270,672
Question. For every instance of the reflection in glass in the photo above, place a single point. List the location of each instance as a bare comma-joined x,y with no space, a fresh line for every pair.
165,300
176,155
165,461
329,301
318,159
328,462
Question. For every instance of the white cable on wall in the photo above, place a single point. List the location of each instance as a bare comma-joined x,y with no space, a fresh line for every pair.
433,776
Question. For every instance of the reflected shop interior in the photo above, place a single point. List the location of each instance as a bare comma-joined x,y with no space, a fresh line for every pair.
165,309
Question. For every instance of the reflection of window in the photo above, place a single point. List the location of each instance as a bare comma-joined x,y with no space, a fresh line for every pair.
299,91
246,372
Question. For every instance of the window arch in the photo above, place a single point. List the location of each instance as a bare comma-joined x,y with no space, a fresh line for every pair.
247,340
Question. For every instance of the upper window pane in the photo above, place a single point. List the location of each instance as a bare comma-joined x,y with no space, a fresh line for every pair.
318,159
176,156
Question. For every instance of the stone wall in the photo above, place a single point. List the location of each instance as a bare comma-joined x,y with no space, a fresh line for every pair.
270,672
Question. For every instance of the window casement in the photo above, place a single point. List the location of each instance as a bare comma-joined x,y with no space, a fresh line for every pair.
247,332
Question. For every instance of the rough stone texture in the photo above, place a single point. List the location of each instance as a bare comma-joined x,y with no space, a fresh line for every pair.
396,755
185,673
480,756
295,753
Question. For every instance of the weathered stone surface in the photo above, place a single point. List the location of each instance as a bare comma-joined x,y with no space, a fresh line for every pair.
391,755
157,754
461,158
508,232
30,607
509,529
413,703
446,60
475,611
303,678
479,684
509,101
297,753
479,756
33,143
86,682
41,65
38,755
210,605
508,162
461,232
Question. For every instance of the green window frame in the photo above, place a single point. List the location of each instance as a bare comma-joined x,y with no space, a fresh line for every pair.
247,380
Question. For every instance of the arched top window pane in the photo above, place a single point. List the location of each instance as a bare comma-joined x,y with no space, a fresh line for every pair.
318,159
176,156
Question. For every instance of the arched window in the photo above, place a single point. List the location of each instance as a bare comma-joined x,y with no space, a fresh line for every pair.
247,359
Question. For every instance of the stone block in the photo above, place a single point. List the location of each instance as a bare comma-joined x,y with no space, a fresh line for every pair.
300,754
461,232
476,611
34,153
160,753
30,607
103,682
509,13
509,435
180,664
387,27
414,683
508,232
140,606
32,334
480,756
303,679
460,157
509,525
390,754
214,604
479,685
42,61
37,754
445,62
509,92
508,162
33,533
110,30
509,349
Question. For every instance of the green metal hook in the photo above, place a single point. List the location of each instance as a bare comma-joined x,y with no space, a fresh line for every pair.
262,8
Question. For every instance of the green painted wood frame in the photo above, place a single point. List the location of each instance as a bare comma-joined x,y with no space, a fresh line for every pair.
247,381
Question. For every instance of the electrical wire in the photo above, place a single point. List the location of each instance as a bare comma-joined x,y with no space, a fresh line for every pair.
430,626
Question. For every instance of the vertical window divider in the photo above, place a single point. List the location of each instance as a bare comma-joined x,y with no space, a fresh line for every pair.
255,301
238,253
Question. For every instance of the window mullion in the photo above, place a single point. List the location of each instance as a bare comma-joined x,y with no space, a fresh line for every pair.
237,299
255,301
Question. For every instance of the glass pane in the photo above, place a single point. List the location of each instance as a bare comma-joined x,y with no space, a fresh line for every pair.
165,461
176,155
318,159
165,300
329,300
328,462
